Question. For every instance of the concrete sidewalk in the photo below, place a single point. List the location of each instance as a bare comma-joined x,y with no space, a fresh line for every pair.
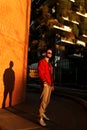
24,115
11,121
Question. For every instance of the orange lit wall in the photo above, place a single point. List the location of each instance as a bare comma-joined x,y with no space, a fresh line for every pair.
14,32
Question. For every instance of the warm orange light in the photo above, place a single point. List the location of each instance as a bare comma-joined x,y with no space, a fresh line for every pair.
14,32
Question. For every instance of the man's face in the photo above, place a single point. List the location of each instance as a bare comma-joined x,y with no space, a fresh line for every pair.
49,53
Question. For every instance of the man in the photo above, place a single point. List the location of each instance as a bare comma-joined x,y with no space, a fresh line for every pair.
45,72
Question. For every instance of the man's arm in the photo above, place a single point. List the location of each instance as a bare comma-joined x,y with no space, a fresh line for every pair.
41,71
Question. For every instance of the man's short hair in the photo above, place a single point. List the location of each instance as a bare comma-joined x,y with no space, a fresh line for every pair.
48,49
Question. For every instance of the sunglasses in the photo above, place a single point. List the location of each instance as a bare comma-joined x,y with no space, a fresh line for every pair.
49,53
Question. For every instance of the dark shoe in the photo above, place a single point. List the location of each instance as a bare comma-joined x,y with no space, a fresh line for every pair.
45,117
3,106
41,122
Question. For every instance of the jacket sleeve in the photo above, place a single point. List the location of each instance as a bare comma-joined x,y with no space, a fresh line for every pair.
41,71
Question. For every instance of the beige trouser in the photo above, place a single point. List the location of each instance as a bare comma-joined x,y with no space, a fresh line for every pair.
45,99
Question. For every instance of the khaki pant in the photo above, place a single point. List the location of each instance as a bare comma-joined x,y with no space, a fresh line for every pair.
45,99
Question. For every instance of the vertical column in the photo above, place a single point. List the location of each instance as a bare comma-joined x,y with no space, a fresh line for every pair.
14,34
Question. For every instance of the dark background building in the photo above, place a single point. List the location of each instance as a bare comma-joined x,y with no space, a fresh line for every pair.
62,25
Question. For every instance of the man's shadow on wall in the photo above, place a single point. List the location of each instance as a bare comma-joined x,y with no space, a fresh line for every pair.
9,81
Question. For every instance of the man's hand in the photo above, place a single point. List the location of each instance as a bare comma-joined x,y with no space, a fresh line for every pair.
45,84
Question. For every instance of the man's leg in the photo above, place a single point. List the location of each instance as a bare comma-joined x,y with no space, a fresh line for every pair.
10,98
4,99
45,99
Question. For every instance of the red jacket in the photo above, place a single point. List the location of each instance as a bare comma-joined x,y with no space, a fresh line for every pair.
45,72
